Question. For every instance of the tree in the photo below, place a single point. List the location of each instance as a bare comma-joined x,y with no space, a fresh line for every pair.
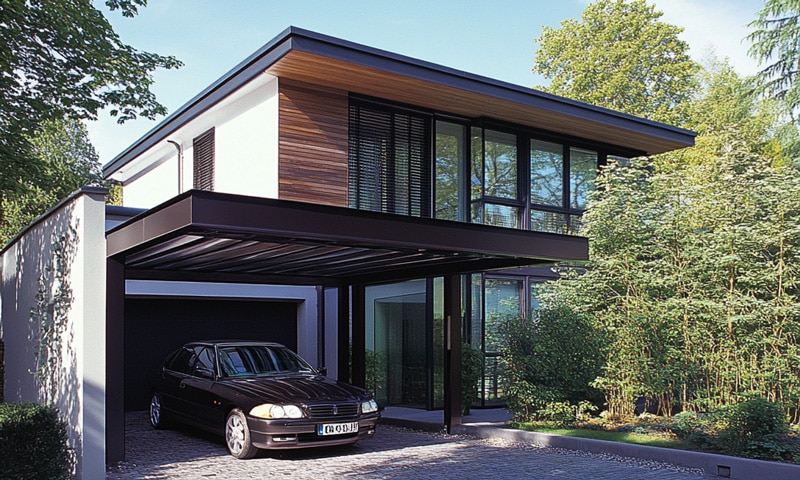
64,60
776,41
619,56
67,161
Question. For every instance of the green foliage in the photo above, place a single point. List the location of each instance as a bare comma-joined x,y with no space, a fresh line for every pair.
776,41
694,276
754,428
550,358
621,56
63,60
376,373
67,161
471,371
33,443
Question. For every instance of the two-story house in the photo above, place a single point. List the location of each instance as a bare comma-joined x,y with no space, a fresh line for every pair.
367,209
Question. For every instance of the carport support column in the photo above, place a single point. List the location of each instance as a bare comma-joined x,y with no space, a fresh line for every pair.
343,335
452,354
115,366
359,334
358,374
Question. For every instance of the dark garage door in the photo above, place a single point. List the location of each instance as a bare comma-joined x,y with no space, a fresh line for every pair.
156,327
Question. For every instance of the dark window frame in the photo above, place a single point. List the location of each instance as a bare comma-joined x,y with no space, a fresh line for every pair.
524,135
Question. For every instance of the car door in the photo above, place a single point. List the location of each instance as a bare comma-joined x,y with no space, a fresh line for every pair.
175,371
203,405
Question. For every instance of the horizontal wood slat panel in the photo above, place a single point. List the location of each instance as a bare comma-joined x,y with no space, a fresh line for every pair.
312,144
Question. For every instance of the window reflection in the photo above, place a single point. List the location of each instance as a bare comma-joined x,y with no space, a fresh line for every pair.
547,173
582,175
500,164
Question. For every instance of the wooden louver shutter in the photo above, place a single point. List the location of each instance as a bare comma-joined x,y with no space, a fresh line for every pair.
203,153
389,161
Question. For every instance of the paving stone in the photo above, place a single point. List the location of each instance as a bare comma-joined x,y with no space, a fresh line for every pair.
394,453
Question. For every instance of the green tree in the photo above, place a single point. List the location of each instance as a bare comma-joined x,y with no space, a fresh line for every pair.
67,161
64,60
776,42
619,55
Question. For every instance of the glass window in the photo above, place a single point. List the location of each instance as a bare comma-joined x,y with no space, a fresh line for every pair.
547,173
476,178
501,215
500,164
450,163
389,161
502,301
582,174
552,222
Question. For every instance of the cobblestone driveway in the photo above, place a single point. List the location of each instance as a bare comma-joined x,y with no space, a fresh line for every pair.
393,453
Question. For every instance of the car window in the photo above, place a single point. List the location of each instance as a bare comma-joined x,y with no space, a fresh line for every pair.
259,360
204,362
181,362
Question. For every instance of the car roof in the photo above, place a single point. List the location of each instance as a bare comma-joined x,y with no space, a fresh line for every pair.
233,343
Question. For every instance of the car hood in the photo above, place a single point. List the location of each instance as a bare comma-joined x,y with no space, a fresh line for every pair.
306,389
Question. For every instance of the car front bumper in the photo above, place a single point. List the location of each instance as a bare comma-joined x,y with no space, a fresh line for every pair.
302,433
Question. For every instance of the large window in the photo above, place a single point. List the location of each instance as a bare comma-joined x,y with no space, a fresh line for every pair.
422,164
451,154
389,161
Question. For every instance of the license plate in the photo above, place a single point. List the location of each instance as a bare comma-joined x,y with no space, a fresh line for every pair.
337,428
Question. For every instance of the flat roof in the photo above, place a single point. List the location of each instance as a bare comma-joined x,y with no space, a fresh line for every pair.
311,57
216,237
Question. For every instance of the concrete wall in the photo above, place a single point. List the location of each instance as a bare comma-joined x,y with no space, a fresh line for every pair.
53,307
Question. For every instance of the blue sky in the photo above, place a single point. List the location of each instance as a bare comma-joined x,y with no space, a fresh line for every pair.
494,38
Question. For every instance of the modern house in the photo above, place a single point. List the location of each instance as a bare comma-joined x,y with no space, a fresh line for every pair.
369,210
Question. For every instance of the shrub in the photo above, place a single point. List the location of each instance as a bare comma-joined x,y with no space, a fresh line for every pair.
752,421
471,370
33,443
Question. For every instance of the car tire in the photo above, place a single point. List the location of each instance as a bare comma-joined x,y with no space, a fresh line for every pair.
237,436
158,418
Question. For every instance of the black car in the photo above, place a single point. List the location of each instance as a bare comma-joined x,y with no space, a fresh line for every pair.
260,395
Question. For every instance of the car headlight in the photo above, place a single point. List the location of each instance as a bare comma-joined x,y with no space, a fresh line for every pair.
269,410
369,406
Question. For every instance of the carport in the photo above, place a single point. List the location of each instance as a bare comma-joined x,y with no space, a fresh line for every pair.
202,236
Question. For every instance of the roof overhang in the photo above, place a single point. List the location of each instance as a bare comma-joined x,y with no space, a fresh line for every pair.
314,58
207,236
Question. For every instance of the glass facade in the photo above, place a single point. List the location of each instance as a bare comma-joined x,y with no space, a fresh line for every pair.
468,170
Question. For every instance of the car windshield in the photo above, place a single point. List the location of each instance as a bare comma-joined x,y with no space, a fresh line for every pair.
248,360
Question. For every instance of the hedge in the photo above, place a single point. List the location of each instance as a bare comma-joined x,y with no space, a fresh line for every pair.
33,443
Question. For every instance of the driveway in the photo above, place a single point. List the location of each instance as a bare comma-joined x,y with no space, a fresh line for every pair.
393,453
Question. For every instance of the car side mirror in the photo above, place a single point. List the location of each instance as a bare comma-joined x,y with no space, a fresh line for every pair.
204,372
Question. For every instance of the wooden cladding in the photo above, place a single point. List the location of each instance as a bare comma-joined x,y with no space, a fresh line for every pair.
313,144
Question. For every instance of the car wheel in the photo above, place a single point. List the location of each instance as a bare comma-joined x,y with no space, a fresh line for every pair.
237,436
157,417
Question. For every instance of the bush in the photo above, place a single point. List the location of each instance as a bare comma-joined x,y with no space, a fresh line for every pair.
752,421
755,428
33,443
471,370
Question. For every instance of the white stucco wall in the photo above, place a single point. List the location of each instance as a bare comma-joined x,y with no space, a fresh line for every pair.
56,270
246,150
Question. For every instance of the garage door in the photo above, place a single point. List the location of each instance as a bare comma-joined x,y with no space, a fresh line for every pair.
156,327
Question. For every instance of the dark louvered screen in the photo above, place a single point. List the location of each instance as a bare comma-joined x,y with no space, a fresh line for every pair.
203,152
389,160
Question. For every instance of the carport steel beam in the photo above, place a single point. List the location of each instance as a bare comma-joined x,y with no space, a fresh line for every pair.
454,247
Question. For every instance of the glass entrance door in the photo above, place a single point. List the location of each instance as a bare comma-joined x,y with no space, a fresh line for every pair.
397,337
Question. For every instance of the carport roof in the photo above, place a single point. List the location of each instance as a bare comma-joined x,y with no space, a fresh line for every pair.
208,236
